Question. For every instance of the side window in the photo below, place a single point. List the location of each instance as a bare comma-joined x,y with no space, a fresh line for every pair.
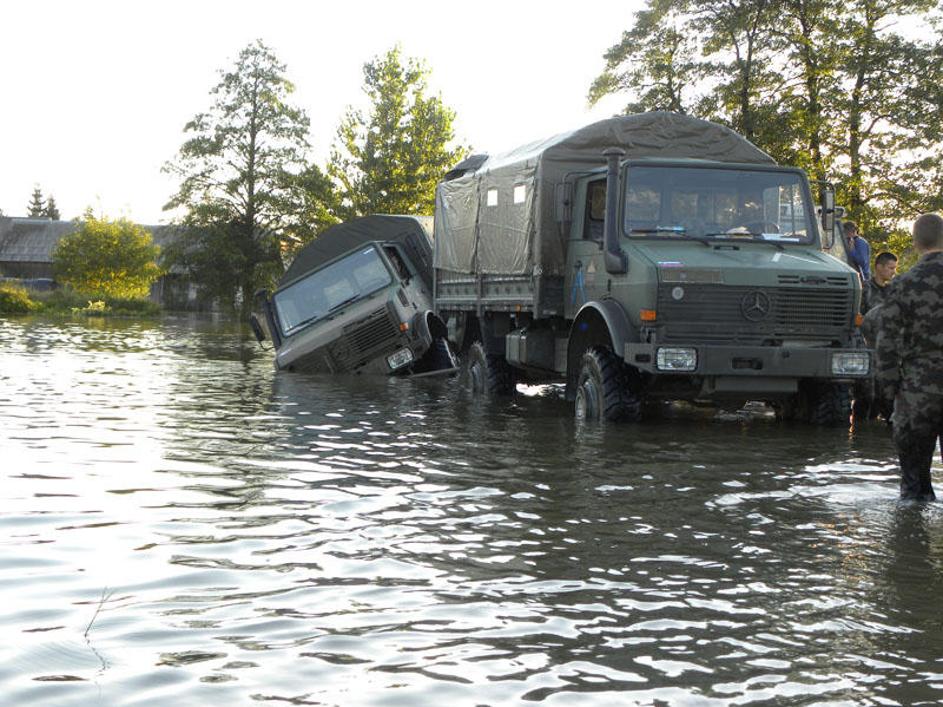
595,210
398,263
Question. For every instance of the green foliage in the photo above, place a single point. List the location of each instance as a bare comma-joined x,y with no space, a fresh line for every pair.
389,159
36,208
241,173
65,302
107,258
14,299
829,86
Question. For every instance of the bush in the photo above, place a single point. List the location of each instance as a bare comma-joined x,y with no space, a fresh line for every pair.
14,299
68,301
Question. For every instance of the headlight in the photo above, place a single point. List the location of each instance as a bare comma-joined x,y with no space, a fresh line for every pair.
671,359
855,363
399,359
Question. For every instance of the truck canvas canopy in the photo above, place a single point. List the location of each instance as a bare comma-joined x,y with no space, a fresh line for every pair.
501,212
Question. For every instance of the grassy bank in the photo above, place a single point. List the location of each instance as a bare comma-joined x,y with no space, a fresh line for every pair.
17,300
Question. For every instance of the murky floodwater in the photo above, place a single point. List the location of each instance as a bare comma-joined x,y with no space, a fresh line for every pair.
180,525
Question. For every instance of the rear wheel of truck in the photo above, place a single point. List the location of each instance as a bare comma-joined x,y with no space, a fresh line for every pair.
603,391
487,374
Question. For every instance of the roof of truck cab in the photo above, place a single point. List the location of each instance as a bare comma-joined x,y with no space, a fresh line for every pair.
413,232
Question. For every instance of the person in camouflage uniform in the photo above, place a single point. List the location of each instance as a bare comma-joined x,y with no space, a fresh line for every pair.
910,358
869,403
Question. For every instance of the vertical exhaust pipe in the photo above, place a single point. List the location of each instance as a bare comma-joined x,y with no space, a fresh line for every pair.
617,261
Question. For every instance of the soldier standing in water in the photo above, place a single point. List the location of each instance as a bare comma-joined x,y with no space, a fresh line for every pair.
910,358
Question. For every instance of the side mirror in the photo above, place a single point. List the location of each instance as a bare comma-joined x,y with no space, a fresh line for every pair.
827,202
257,329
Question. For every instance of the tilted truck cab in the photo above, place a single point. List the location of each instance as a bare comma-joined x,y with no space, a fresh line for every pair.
358,299
647,257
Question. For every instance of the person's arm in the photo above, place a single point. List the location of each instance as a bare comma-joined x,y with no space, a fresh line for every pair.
865,255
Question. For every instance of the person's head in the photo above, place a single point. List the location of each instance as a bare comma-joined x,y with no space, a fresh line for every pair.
885,266
928,233
851,229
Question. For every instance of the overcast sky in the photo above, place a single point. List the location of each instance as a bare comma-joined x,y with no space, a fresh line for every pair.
94,95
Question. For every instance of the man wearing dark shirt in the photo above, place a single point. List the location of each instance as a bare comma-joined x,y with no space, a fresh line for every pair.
885,267
859,252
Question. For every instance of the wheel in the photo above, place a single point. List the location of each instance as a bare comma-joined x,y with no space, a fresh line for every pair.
826,404
602,389
438,358
487,374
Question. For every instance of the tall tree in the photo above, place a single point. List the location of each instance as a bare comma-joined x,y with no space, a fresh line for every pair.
389,159
238,170
36,207
51,211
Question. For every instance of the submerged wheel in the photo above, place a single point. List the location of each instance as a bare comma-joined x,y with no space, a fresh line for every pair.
602,389
829,404
438,358
818,403
487,374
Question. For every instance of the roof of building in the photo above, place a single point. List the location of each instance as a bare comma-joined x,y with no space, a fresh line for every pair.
32,240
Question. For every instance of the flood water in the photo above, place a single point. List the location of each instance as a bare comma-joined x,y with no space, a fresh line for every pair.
181,525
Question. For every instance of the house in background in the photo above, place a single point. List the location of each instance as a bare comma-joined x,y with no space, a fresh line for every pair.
27,244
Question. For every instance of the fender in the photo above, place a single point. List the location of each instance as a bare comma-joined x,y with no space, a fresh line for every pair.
598,323
427,326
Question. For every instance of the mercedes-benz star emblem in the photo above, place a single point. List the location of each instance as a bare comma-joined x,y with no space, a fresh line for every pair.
755,306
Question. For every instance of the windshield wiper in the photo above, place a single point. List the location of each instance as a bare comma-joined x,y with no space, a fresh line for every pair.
343,302
754,238
677,230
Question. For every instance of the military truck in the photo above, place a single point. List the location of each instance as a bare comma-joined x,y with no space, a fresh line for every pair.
358,299
644,258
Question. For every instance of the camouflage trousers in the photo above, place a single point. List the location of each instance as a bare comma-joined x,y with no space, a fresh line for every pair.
918,424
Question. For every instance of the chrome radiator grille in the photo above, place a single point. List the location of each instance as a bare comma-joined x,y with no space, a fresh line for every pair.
752,315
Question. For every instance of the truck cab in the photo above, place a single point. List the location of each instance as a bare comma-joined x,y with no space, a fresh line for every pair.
358,300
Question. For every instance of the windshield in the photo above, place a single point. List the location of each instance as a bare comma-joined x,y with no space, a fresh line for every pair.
670,201
315,296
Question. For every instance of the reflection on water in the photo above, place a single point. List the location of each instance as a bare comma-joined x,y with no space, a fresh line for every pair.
180,525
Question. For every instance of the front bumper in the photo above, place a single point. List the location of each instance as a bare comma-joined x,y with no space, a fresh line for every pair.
749,361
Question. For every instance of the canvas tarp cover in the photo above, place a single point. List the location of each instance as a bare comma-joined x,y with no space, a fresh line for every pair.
413,233
501,218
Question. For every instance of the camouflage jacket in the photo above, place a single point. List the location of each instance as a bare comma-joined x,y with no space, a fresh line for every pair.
910,335
872,296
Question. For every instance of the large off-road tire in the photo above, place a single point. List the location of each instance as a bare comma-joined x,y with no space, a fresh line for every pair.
487,374
603,390
828,404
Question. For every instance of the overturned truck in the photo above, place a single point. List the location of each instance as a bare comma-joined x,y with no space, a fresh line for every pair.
647,257
358,299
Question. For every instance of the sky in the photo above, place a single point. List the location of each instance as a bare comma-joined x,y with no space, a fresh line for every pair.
94,94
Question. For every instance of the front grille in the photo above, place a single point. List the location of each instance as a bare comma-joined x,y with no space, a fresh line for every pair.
724,314
363,340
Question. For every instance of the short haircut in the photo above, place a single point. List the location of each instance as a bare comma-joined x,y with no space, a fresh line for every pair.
885,257
851,227
928,231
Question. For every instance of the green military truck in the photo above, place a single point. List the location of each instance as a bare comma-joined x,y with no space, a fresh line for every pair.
358,299
644,258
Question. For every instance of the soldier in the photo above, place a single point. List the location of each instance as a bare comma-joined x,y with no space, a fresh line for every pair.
910,358
885,267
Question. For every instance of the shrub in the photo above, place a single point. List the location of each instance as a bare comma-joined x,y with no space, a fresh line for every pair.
14,299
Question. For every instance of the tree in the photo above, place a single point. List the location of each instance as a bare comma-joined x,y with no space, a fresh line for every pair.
829,86
36,208
389,159
104,258
239,171
51,211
